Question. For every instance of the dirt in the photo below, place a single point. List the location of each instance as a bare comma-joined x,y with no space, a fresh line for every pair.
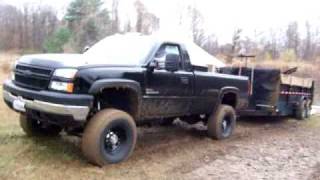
259,149
267,150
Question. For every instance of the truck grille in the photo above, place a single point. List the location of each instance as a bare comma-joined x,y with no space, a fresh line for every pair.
31,77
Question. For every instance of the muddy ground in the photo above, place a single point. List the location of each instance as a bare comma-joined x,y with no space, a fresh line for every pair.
259,149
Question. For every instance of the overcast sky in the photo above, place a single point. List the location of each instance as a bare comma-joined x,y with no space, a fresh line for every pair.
222,17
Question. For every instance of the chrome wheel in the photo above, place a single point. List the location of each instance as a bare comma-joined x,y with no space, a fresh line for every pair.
226,126
112,141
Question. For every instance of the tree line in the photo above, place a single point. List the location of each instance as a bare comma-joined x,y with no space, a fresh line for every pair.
38,29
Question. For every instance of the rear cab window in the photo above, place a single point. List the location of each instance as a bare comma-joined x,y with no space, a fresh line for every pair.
166,49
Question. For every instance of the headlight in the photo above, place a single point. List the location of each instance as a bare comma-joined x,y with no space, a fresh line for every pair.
65,73
61,86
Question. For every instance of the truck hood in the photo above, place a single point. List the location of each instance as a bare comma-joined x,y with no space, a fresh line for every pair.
55,60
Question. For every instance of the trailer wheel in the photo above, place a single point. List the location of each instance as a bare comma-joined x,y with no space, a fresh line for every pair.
309,107
109,137
33,127
222,123
302,111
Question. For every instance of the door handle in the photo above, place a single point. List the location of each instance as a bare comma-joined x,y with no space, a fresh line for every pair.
184,80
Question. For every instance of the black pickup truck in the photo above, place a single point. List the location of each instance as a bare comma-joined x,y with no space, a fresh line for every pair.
122,81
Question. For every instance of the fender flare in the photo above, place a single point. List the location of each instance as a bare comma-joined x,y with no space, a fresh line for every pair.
229,89
100,85
134,86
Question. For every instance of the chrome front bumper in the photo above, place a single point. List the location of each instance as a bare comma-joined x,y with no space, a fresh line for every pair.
79,113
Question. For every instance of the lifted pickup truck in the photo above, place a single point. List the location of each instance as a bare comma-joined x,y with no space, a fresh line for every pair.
103,94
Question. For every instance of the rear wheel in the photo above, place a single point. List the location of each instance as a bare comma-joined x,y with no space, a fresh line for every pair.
222,123
109,137
34,127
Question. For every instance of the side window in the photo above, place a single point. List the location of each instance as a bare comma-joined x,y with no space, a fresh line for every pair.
164,50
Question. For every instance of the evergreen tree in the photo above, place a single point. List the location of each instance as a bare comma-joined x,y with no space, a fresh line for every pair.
88,21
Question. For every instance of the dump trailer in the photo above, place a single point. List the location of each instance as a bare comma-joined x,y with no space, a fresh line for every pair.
273,93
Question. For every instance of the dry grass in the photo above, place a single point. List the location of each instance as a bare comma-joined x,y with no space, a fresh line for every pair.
6,62
6,67
8,57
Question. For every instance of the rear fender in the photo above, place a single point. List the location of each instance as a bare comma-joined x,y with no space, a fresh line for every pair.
226,90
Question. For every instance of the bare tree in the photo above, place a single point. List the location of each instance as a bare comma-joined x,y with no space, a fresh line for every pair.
211,45
115,16
235,45
309,46
25,28
293,37
146,22
196,26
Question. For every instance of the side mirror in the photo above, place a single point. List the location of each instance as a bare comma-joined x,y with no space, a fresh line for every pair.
152,65
172,62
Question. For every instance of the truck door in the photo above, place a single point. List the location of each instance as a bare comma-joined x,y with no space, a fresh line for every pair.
168,93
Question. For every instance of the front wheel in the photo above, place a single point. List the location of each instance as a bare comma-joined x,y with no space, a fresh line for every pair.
222,123
109,137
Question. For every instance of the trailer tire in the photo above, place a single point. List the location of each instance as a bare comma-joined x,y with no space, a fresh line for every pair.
33,128
109,137
302,111
222,123
309,107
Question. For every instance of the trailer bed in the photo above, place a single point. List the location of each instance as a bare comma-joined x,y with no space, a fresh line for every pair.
273,93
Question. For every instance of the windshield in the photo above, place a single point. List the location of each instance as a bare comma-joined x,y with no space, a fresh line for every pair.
120,50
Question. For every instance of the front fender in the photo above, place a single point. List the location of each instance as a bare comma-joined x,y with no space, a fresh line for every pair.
100,85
